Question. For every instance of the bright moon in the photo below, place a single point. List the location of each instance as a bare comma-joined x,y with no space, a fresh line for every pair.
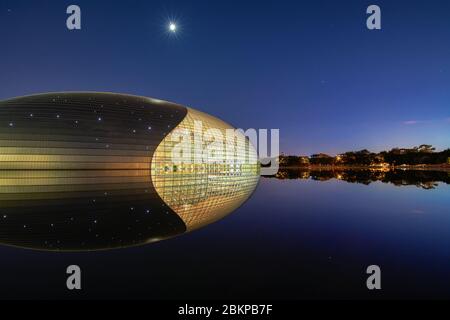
172,27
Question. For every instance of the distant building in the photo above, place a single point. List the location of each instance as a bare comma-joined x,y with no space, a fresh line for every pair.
303,161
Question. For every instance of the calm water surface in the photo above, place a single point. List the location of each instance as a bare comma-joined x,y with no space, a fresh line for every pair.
292,239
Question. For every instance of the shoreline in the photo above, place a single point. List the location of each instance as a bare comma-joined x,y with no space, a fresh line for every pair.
439,167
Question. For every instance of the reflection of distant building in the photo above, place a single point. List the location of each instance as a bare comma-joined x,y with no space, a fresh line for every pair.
305,175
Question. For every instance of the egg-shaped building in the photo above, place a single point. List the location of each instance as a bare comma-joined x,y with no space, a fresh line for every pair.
91,171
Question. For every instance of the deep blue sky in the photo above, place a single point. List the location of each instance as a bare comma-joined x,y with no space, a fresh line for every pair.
309,68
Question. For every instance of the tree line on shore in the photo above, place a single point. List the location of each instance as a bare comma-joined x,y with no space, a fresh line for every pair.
422,155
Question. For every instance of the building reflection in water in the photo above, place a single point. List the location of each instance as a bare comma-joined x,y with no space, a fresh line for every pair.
87,216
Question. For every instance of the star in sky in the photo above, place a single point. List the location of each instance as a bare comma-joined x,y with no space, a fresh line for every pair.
173,27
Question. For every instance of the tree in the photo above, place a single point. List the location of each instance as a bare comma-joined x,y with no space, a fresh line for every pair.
426,148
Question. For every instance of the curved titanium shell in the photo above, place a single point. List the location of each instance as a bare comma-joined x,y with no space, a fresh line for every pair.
92,171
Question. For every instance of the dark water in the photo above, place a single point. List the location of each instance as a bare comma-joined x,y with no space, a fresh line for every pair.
295,238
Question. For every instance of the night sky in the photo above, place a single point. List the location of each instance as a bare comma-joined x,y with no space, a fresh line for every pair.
310,68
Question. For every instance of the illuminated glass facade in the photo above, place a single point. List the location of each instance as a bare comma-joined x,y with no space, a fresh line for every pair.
208,187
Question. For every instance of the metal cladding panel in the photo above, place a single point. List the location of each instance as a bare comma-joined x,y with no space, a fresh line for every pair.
75,171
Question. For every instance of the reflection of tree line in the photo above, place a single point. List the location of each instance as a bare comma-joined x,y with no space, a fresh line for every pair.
421,178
